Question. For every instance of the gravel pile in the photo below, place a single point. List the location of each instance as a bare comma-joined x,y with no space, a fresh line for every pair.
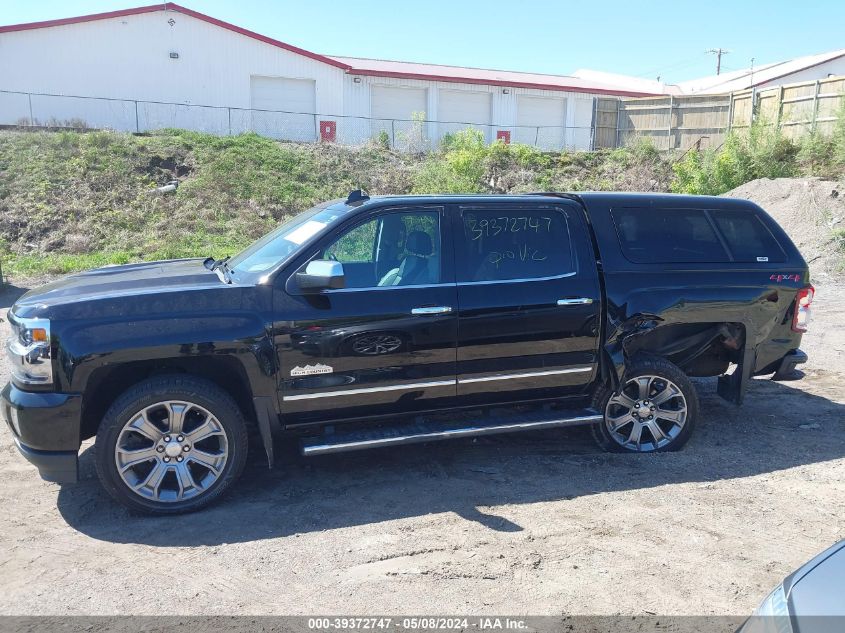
811,211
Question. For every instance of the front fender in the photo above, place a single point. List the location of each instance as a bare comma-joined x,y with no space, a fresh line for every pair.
84,346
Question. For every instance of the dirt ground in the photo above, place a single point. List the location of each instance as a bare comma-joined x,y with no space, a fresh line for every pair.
521,524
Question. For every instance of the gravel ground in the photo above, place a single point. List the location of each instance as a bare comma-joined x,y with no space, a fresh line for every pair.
522,524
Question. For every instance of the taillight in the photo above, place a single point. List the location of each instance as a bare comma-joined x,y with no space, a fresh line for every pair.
803,303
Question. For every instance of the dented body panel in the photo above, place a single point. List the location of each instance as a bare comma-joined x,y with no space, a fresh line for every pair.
755,301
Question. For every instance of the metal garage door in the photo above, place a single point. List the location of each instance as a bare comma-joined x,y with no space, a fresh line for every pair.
456,108
581,136
392,109
288,107
541,121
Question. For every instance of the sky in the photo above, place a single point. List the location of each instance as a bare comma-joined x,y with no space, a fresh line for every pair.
644,38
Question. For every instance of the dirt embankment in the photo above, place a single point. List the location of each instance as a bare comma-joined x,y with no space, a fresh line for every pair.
812,212
70,201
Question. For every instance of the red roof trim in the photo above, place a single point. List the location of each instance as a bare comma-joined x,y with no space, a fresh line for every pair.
170,6
499,82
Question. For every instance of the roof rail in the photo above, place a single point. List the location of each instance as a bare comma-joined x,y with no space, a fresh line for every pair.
357,196
554,194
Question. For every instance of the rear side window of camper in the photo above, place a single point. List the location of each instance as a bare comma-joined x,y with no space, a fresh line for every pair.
748,239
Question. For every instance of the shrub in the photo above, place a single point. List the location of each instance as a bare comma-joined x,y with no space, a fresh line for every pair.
466,163
383,140
816,154
761,152
458,167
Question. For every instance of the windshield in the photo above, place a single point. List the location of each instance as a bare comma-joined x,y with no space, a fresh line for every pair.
279,244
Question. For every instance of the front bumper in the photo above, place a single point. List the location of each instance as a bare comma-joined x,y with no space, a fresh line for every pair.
45,427
61,467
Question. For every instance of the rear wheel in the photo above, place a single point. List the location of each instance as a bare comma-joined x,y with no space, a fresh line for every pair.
655,409
171,444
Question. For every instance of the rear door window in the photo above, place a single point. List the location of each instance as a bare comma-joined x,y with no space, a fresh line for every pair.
747,237
513,244
670,236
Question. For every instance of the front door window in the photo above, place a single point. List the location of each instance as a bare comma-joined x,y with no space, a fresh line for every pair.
395,249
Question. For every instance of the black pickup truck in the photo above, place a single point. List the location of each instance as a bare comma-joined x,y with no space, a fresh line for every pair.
389,320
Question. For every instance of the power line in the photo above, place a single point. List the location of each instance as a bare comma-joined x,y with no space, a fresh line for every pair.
676,66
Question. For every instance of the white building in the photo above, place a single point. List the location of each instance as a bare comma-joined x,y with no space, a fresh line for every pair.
808,68
791,71
169,66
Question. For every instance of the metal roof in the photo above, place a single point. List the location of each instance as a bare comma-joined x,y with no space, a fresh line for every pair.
485,76
750,77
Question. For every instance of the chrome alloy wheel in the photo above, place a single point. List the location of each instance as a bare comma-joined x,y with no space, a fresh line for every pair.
375,344
171,451
647,414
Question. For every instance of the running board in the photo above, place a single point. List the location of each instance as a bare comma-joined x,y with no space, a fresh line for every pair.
416,432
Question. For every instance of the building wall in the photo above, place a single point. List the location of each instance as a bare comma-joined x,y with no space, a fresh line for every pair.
835,67
128,59
578,120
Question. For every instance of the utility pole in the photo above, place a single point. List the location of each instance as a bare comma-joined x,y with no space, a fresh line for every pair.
718,52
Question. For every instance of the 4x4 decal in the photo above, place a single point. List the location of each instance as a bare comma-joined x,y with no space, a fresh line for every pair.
779,278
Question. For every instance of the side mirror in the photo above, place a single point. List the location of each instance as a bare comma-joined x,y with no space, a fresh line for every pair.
321,274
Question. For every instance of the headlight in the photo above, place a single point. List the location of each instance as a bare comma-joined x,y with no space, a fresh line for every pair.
772,616
29,351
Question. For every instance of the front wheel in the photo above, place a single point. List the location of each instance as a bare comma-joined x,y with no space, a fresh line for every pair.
655,409
171,444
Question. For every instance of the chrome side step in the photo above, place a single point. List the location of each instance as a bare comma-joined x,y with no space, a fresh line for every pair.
433,431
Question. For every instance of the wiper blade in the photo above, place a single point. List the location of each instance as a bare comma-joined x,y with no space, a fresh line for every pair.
227,272
219,262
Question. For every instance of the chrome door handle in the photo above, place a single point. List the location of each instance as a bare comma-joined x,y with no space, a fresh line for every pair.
432,310
580,301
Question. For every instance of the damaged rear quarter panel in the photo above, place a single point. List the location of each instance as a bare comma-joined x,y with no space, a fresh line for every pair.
632,312
644,297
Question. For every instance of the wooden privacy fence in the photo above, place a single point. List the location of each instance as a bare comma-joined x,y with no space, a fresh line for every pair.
679,122
797,109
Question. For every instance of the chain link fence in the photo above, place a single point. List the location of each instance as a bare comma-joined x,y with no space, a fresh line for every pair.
22,109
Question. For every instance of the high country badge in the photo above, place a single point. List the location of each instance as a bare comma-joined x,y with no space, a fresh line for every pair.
311,370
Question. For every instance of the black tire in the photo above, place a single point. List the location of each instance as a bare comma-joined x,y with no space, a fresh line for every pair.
646,365
179,388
